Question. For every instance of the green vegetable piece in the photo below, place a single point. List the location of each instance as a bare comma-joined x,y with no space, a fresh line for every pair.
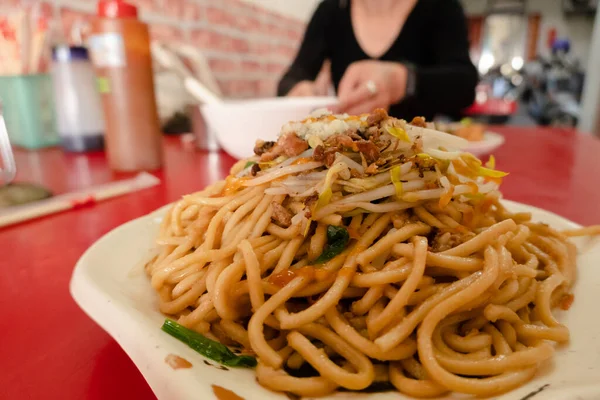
207,347
337,240
249,164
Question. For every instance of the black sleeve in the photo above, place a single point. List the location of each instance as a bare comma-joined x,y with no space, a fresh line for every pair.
313,50
449,85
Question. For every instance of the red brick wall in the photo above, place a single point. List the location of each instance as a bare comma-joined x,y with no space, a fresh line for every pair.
248,47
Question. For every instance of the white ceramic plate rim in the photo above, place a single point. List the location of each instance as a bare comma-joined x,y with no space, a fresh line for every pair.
109,284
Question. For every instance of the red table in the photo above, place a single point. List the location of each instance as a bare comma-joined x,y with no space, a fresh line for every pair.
49,349
492,107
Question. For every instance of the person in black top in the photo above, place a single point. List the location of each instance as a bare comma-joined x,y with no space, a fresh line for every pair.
408,56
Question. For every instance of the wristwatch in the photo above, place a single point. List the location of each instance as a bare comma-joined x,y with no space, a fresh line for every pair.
411,80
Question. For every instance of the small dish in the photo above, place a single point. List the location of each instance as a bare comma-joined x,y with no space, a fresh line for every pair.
491,141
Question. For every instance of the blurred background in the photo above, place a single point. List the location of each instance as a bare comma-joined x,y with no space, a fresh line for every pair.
535,52
532,55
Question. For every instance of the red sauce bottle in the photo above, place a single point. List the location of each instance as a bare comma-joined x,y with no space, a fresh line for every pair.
120,47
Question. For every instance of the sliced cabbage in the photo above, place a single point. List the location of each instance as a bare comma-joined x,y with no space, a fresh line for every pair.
364,184
445,182
434,139
339,157
443,155
285,162
326,192
276,173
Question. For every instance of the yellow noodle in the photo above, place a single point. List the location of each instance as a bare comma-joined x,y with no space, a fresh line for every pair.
429,296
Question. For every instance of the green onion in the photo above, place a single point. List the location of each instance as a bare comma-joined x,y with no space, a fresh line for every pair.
337,240
207,347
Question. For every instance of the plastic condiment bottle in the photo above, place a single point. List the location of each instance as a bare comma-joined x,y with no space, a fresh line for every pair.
120,47
78,109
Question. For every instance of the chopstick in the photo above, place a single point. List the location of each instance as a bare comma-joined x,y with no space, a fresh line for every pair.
8,49
37,46
69,201
23,36
22,41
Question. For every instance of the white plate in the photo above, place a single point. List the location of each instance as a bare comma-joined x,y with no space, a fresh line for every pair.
109,284
491,141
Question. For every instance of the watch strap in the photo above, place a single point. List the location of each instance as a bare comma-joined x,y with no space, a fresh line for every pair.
411,80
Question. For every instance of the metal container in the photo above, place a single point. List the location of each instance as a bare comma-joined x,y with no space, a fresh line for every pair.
206,139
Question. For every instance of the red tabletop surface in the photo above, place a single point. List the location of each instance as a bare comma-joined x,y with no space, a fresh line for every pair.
49,349
496,107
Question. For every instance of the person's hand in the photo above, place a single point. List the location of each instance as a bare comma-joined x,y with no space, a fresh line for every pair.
371,84
303,89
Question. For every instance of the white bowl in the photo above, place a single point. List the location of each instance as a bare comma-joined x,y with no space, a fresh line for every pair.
238,124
